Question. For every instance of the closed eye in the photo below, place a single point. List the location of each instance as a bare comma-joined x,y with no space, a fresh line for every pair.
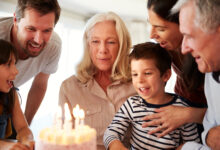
134,74
111,42
31,29
148,73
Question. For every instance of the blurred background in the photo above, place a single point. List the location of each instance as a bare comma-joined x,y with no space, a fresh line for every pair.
74,16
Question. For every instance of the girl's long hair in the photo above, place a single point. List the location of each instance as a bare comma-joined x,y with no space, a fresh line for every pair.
7,99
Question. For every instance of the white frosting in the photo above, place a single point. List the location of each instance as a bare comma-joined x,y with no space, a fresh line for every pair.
83,137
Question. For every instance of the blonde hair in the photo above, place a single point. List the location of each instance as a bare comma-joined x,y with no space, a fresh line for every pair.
120,69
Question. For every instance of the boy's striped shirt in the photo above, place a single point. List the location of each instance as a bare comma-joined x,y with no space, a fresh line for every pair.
132,112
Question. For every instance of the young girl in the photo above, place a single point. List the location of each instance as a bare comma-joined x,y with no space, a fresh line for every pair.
9,105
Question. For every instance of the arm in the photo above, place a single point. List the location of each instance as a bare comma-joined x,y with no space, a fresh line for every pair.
24,134
36,95
117,145
7,145
172,117
115,132
213,138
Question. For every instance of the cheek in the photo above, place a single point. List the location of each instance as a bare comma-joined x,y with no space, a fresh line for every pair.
114,52
92,54
164,36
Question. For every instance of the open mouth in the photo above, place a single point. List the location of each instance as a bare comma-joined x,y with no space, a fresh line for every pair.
10,83
35,47
163,44
144,90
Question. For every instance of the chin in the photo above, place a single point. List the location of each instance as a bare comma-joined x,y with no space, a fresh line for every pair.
204,70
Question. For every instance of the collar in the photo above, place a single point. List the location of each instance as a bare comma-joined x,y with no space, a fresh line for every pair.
216,76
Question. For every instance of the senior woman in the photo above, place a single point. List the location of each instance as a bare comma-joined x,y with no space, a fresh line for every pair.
102,82
189,82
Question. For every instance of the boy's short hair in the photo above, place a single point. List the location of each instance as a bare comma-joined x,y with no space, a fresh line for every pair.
150,50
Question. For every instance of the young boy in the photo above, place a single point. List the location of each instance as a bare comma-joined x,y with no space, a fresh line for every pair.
150,69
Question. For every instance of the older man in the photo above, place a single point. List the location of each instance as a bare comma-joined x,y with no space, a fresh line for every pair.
200,26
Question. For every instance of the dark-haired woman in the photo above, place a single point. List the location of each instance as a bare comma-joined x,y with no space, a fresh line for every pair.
189,82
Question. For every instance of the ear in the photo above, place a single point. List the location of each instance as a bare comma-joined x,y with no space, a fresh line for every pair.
14,19
15,23
167,75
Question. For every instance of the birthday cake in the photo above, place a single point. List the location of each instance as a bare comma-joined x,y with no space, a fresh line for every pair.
61,136
84,138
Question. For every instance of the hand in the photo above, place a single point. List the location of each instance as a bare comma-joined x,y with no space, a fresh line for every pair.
30,144
167,119
180,147
213,138
5,145
116,145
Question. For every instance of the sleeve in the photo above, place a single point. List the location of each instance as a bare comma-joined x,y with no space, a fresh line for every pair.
194,146
54,52
209,118
118,126
208,124
189,132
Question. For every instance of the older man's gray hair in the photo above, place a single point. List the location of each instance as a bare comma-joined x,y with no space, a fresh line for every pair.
207,13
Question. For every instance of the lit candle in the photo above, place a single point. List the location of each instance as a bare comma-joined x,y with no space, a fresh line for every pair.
58,118
76,115
81,117
68,118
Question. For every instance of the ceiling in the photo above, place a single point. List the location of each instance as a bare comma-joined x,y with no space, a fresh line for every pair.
127,9
133,9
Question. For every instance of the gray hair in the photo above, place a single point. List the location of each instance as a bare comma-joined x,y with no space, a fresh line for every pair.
207,13
120,69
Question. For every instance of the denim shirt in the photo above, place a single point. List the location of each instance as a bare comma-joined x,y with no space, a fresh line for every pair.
3,124
4,117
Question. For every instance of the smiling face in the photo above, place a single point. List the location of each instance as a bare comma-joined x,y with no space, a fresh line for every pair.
31,33
147,80
103,45
8,73
203,46
164,32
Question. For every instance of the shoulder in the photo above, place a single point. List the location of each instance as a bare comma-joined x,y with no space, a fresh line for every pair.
71,82
5,27
179,100
6,20
56,38
55,43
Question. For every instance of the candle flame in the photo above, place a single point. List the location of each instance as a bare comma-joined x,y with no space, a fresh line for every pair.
76,111
67,112
81,114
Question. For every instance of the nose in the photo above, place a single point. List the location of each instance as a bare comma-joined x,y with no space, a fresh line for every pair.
14,70
185,46
153,34
102,47
140,78
38,37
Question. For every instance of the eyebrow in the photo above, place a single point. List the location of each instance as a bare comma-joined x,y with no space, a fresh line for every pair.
158,26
